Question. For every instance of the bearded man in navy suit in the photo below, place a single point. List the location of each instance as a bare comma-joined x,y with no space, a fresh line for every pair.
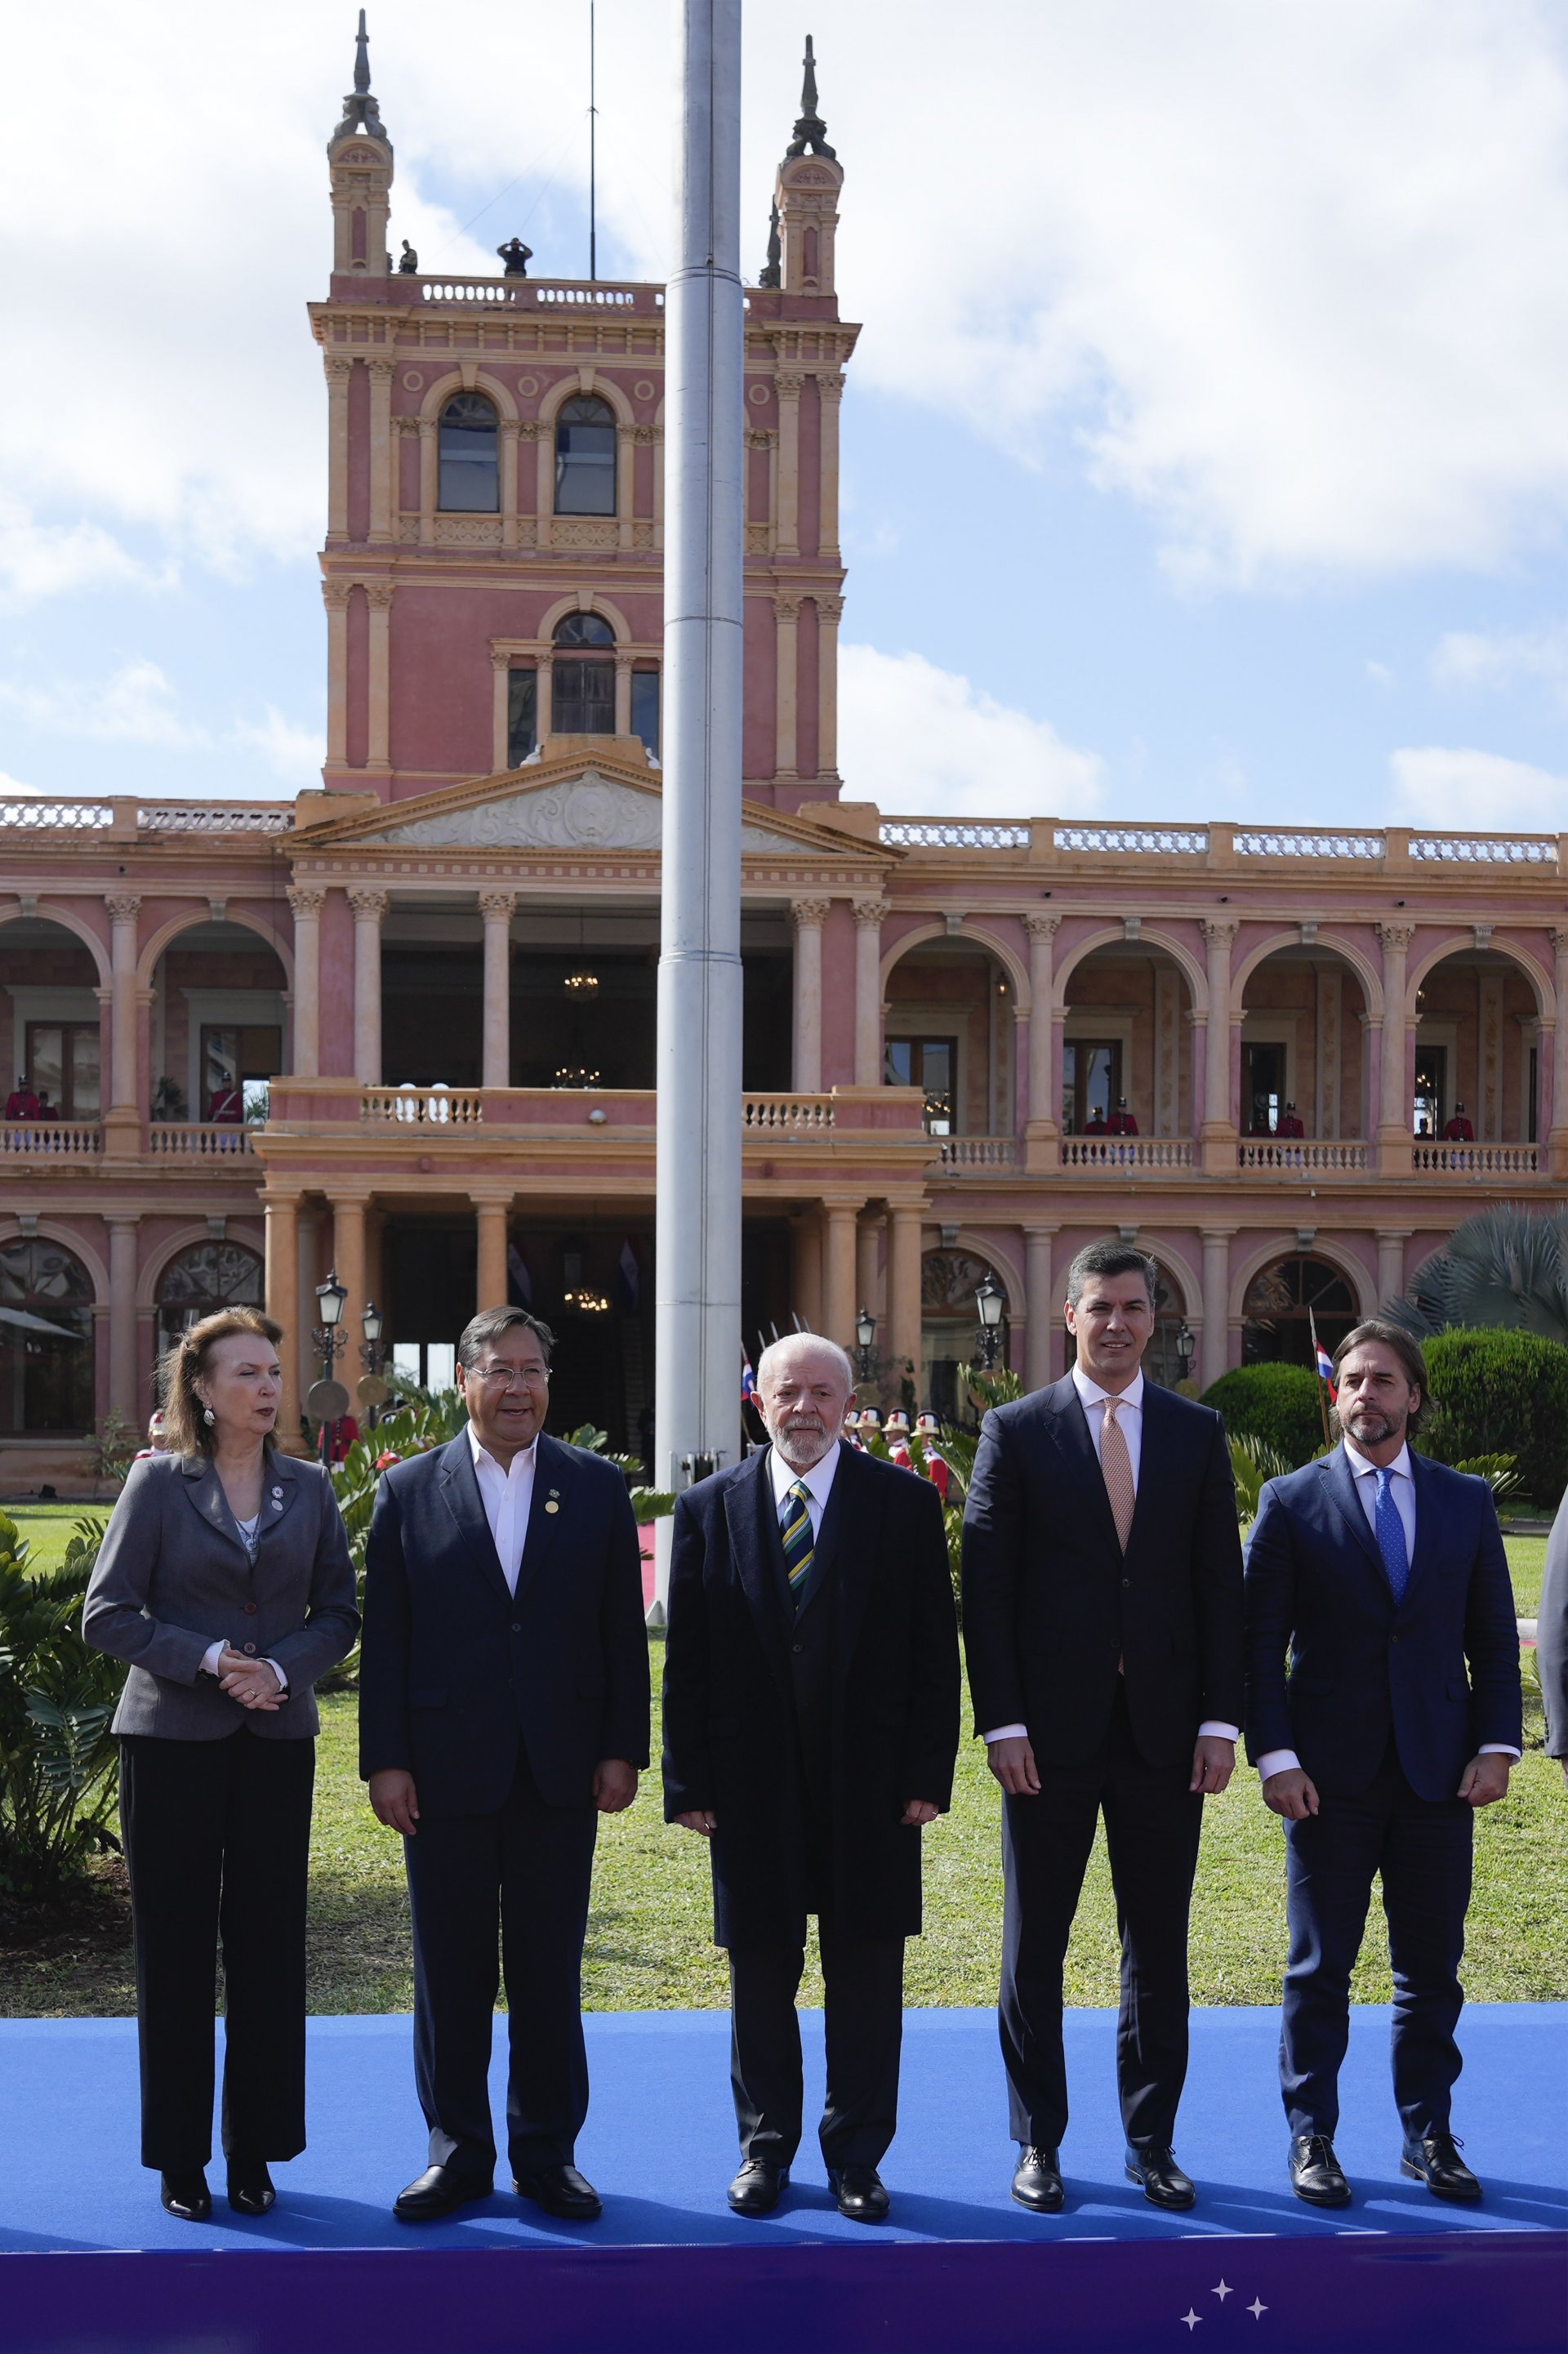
1384,1575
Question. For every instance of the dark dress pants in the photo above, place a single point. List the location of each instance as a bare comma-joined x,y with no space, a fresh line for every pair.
217,1838
1153,1823
519,1876
864,1986
1423,1849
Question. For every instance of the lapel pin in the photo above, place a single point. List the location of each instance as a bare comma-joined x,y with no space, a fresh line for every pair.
552,1506
276,1495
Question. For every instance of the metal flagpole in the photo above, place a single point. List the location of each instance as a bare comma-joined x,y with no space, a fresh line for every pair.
697,1276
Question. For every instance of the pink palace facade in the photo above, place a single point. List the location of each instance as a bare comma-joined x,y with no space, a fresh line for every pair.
430,984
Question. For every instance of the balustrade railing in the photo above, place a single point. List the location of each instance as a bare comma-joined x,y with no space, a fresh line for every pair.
980,1151
798,1115
1127,1153
1485,849
190,817
190,1140
51,1140
935,833
538,294
1475,1159
1136,840
435,1107
1315,1156
1268,841
57,817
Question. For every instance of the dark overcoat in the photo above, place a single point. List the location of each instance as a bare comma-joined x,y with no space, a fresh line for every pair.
1055,1618
1440,1671
454,1669
731,1741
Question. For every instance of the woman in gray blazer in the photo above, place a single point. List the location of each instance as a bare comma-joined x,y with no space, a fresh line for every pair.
224,1579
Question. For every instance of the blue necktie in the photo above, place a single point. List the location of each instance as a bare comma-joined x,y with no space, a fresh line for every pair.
795,1529
1391,1538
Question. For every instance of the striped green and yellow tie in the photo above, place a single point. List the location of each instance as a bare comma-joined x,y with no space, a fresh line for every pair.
795,1528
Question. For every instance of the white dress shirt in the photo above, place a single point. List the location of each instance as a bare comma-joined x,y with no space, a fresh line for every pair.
1130,1420
1402,1488
817,1480
506,1497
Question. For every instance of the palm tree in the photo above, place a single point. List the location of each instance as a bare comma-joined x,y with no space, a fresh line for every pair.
1505,1266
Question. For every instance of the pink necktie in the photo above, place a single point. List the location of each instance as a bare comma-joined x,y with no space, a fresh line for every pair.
1115,1464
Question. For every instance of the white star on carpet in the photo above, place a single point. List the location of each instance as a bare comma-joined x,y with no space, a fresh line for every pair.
1257,2309
1224,2290
1192,2321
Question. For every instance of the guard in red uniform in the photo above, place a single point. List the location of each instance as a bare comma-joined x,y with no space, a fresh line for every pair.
939,1471
22,1103
899,1439
1122,1121
1459,1130
1289,1122
1096,1123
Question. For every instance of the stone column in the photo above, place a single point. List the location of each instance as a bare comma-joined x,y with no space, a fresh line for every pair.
545,480
1217,1303
1393,1130
1039,1304
838,1272
283,1213
1558,1134
368,907
1391,1242
1219,1130
307,900
829,392
623,695
378,597
625,488
829,613
545,697
1041,1127
904,1286
125,1095
509,430
334,597
787,627
309,1269
868,1274
808,916
500,709
490,1217
429,478
383,527
806,1268
789,382
337,376
1490,1035
1167,1050
496,909
122,1369
1326,1093
869,917
348,1209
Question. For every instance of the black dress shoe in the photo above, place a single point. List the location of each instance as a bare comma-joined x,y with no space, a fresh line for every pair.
1316,2174
185,2194
860,2193
1038,2182
250,2190
1162,2180
1436,2160
560,2190
437,2192
754,2191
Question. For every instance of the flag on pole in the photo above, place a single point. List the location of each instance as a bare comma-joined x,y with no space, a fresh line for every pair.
630,1278
1324,1362
748,1381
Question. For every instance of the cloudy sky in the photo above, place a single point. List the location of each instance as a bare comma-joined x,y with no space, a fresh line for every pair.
1206,448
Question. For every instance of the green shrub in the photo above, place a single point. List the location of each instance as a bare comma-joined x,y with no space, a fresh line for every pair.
56,1697
1276,1404
1499,1392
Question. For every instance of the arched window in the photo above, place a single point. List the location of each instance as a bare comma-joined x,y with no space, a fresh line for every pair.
949,1323
1283,1301
468,444
46,1339
585,456
199,1281
583,677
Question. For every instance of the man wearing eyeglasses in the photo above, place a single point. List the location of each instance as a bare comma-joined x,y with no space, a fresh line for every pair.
503,1709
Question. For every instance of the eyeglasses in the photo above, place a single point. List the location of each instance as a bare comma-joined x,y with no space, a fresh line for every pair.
500,1378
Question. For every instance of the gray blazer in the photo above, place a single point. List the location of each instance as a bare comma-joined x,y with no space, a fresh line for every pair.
173,1574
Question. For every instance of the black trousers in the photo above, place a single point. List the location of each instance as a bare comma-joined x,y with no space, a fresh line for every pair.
1152,1828
863,1983
519,1876
1423,1849
217,1838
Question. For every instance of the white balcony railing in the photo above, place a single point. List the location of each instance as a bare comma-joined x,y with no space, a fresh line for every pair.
980,1151
1475,1159
51,1140
422,1107
1293,1157
796,1115
1127,1153
940,833
191,1139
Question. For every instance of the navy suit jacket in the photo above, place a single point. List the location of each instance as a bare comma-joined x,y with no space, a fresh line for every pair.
1441,1673
454,1669
1051,1605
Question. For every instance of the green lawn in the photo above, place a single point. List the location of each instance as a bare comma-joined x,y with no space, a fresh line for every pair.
47,1527
649,1943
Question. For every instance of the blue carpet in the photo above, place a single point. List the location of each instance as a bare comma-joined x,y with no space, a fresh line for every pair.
660,2141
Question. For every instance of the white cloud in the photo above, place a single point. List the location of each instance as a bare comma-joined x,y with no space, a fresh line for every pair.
921,742
1459,788
12,789
1482,659
39,560
1291,273
294,753
134,704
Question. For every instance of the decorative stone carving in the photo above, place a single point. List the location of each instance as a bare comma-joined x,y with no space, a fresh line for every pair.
588,812
498,907
830,609
1394,936
307,900
1220,930
787,604
1040,927
378,594
335,594
808,914
369,907
123,905
870,915
789,382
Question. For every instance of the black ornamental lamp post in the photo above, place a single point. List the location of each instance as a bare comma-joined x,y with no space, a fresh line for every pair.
989,1302
1186,1347
331,1300
865,1342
